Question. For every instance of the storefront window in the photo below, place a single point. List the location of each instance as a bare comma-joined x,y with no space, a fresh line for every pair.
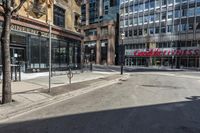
44,63
55,54
63,54
34,54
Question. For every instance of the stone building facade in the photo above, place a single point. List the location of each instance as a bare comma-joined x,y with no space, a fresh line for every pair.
29,44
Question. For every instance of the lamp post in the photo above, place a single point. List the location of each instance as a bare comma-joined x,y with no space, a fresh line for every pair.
50,30
122,53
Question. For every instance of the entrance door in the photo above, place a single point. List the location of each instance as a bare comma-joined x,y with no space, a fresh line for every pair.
18,56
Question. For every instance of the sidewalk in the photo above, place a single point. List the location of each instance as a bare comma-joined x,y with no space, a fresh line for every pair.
32,93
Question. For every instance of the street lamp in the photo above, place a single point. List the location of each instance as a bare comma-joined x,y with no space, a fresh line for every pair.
50,32
122,52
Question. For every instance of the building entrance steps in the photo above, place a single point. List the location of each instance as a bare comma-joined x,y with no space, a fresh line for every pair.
33,94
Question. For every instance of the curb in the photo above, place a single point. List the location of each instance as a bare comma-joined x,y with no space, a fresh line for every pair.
58,98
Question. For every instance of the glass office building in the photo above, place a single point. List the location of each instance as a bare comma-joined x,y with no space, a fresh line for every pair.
161,32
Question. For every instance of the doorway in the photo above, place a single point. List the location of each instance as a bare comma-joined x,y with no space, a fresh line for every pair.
18,57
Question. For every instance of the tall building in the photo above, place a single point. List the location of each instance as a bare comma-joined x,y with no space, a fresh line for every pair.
29,44
100,28
161,32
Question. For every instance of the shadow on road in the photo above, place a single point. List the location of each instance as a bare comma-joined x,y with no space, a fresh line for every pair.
179,117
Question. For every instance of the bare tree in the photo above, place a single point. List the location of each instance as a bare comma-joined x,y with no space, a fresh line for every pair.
9,9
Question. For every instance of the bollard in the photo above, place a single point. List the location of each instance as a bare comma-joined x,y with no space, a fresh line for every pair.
70,75
19,73
91,67
11,73
15,73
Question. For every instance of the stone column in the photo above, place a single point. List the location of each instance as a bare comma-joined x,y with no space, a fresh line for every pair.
98,52
111,45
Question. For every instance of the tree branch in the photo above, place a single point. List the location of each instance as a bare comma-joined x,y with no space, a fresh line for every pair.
19,6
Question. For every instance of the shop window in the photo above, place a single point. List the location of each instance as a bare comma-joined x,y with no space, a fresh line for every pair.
188,44
183,44
194,43
165,45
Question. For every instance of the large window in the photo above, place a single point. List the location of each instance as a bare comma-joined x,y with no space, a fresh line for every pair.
59,16
177,13
184,12
198,11
190,12
164,14
38,52
170,14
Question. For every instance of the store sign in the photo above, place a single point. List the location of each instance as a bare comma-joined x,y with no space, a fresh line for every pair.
30,30
163,52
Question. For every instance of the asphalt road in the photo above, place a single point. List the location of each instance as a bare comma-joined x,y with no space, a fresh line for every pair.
145,103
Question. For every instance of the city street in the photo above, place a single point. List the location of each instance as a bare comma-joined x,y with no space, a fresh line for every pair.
148,102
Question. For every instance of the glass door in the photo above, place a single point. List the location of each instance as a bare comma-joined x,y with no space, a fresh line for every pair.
18,57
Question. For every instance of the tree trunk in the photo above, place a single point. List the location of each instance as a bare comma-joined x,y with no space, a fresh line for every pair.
5,48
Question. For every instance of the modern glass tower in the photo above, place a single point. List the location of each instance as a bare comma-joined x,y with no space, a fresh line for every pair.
161,32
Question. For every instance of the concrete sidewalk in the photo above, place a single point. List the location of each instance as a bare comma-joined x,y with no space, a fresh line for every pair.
28,93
